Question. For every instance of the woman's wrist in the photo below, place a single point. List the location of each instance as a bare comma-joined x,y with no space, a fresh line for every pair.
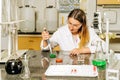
45,43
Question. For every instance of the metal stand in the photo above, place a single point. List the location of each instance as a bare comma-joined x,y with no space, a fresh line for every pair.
107,40
0,25
11,27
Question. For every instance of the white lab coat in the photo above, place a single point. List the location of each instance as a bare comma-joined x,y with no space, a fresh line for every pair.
64,39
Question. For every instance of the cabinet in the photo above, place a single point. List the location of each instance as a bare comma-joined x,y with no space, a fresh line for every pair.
29,42
100,2
115,44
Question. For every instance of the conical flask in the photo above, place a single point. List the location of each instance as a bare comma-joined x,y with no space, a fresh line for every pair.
99,57
26,71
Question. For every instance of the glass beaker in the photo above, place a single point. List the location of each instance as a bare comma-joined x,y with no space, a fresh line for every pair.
81,59
26,71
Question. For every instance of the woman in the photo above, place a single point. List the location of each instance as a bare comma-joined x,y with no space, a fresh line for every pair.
75,37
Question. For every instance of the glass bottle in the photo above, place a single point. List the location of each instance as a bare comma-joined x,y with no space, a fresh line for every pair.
99,61
14,64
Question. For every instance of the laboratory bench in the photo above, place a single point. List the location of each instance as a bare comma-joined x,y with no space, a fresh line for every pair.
39,62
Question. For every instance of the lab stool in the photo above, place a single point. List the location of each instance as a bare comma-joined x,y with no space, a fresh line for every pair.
112,74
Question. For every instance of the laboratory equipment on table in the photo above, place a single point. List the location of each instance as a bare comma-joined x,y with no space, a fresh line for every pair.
26,71
49,45
52,56
59,61
99,60
81,59
14,64
52,59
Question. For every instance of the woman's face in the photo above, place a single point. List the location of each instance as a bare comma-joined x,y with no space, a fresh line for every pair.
74,25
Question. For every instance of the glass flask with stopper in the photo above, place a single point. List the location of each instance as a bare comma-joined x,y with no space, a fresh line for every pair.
99,60
14,64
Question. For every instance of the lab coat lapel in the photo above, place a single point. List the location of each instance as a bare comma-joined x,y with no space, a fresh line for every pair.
70,39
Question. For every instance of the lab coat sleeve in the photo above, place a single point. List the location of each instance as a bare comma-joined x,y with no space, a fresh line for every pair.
43,48
53,41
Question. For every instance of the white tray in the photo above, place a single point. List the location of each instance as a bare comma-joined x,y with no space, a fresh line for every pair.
72,70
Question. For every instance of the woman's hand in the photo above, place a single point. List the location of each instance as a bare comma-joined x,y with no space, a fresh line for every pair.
75,51
45,35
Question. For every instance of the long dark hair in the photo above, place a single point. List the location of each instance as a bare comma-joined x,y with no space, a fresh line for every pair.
80,15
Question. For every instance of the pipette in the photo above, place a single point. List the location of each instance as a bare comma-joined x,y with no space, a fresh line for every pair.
49,45
48,41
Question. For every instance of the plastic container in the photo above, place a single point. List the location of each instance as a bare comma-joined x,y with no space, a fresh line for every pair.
27,14
52,59
51,19
59,61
